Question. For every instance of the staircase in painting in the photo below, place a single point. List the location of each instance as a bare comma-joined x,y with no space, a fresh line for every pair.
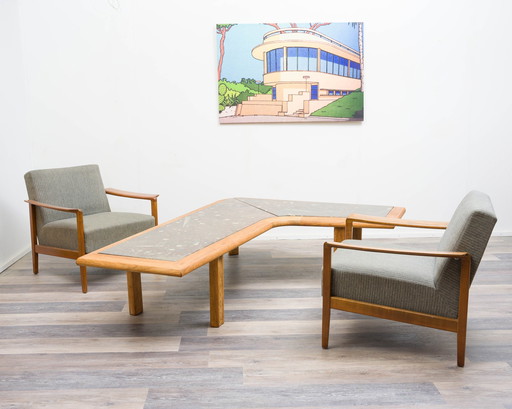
297,105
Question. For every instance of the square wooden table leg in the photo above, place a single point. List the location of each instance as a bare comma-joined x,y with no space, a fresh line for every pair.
217,292
339,234
134,292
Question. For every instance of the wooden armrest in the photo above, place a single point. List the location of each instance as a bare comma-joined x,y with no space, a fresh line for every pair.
123,193
53,207
390,221
132,195
79,221
449,254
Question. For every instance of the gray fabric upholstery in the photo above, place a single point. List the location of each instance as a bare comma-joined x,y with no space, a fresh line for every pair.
469,230
74,187
422,284
100,230
79,187
386,279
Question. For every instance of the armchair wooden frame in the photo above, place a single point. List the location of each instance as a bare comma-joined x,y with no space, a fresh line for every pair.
457,325
80,251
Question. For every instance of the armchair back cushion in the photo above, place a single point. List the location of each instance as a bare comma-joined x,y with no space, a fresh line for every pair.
469,230
74,187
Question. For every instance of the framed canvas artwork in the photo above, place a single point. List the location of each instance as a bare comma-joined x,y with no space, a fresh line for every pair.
290,72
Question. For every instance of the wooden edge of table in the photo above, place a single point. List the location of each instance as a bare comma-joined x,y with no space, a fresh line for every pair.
207,254
396,212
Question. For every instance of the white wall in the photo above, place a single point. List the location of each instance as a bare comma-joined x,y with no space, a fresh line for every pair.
14,149
131,85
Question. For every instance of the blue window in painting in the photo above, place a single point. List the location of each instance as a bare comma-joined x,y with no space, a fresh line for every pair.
301,59
334,64
327,63
313,59
274,93
270,61
314,91
275,59
355,70
330,63
343,69
291,61
323,61
336,92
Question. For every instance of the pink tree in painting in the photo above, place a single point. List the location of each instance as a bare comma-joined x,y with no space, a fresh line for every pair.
275,25
222,29
315,26
312,26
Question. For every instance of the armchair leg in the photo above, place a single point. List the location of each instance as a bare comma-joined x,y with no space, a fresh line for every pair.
35,261
326,292
461,347
326,320
462,321
83,278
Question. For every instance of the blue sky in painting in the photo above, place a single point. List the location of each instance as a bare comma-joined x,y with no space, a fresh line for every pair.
242,38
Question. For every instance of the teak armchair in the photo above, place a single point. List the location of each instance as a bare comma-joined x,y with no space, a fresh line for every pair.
70,214
428,288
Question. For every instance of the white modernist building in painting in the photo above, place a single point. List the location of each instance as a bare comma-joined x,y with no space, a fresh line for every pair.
306,69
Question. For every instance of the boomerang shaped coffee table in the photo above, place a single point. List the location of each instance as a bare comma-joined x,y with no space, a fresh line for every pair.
179,246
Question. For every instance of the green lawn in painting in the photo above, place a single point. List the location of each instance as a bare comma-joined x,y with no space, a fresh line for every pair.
349,106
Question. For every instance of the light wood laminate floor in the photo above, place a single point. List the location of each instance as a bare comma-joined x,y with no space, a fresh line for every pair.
60,348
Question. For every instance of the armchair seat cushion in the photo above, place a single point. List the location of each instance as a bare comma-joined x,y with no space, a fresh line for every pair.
398,281
100,230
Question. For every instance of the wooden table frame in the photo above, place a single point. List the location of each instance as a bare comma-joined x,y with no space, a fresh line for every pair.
212,254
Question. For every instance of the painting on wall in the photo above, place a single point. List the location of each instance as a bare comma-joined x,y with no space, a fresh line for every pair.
290,72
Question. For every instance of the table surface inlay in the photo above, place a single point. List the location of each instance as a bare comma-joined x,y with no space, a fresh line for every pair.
180,238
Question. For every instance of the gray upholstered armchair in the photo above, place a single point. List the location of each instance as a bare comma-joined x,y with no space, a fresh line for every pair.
70,214
428,288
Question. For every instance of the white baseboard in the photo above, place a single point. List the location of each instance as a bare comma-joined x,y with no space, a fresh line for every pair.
5,264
